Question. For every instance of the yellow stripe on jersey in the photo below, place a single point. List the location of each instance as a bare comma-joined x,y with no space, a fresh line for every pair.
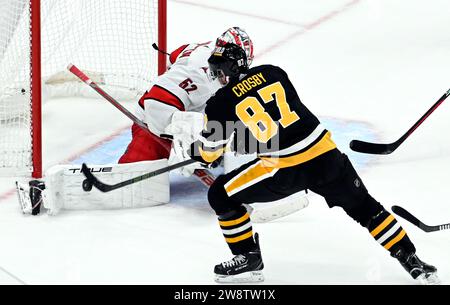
324,145
239,238
248,177
383,225
395,240
228,223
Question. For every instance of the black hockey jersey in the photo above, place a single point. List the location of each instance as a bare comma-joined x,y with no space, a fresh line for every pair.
261,113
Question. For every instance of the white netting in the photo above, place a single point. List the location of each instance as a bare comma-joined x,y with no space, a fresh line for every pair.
15,108
110,39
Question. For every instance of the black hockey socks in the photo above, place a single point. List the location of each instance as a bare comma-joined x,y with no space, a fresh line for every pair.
237,229
389,233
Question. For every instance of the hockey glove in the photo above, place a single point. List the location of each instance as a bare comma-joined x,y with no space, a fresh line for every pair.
185,129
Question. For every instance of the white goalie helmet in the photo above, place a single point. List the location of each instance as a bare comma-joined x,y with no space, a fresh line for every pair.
238,36
232,55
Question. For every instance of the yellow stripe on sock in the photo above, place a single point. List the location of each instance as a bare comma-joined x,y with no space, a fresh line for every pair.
395,240
234,222
239,238
383,225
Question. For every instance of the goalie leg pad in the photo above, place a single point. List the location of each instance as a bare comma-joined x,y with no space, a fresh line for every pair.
64,187
269,211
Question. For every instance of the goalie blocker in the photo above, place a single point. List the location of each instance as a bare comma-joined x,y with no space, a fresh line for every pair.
61,189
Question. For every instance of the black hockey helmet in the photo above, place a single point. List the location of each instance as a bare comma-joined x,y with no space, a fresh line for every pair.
232,55
227,61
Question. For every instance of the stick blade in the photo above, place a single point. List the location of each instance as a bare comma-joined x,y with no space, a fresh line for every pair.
412,219
371,148
406,215
91,180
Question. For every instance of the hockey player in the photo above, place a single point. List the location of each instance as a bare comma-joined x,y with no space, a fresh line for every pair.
295,152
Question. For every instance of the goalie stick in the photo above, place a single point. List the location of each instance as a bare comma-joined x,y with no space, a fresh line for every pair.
204,176
155,46
412,219
384,149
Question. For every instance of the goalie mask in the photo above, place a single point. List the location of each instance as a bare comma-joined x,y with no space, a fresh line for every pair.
233,54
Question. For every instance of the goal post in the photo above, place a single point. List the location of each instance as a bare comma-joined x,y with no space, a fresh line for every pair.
162,35
110,39
36,89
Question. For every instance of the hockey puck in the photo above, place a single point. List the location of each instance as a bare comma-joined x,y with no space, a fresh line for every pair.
87,186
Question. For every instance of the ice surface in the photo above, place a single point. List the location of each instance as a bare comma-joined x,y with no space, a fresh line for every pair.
368,68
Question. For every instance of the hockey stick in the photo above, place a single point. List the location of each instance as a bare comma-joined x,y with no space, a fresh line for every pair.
91,180
155,46
412,219
258,216
204,176
384,149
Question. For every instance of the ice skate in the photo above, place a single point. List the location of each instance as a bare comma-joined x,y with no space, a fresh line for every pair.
242,268
424,273
30,198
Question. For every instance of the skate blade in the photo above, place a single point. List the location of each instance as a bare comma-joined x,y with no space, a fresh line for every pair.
431,279
246,277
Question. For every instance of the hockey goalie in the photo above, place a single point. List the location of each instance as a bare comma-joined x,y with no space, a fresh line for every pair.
173,110
174,102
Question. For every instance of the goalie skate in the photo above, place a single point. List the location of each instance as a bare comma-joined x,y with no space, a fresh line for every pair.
30,197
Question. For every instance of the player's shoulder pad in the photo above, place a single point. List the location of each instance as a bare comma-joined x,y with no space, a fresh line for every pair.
174,54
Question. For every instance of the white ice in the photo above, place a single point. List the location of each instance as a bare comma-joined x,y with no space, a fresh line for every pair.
381,63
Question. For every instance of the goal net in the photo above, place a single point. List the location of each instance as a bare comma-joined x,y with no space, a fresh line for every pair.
109,39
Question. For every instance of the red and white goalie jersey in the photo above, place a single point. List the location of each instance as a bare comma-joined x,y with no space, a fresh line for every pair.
186,86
